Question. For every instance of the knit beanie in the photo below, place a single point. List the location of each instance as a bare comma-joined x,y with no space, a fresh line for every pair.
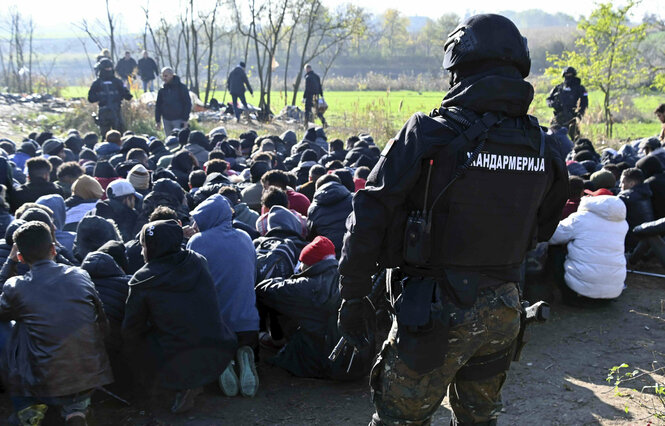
87,188
139,177
319,249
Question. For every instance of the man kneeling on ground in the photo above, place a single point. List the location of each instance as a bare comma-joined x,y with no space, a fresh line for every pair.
59,330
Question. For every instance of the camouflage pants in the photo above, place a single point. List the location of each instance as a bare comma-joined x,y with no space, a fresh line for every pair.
402,396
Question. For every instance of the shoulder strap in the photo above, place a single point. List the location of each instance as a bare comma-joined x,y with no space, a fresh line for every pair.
477,131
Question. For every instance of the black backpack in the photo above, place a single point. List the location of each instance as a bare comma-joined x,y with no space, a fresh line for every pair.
275,258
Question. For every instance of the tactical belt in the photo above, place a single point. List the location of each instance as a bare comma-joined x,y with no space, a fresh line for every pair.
486,366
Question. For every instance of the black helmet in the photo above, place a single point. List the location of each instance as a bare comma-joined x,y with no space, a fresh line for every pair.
483,38
569,70
104,63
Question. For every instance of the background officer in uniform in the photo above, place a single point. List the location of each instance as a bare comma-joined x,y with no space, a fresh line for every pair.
108,91
569,101
459,249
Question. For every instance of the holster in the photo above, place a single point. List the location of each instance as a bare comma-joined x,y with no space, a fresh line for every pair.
423,324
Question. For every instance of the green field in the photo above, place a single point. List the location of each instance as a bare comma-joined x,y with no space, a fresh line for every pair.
383,112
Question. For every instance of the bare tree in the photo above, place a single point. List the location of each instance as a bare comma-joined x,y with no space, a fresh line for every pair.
266,30
17,70
209,29
324,31
297,10
111,30
195,48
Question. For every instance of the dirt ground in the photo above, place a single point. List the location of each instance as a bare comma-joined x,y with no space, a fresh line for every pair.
560,379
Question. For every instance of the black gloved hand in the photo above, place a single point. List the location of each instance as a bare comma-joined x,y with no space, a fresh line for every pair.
357,321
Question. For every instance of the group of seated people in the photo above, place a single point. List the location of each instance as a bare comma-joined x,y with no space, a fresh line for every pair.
614,216
134,263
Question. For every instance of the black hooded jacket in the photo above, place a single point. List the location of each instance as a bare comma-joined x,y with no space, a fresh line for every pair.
327,214
112,285
172,307
498,200
638,209
123,216
655,178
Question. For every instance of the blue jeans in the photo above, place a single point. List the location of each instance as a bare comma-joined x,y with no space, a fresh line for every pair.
148,83
234,99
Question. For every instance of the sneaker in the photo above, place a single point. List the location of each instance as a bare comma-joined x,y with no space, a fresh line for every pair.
249,380
267,342
32,415
184,400
76,419
228,380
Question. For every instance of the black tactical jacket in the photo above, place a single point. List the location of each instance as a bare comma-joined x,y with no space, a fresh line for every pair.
509,198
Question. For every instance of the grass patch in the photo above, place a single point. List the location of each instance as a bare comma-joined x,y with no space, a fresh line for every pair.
382,113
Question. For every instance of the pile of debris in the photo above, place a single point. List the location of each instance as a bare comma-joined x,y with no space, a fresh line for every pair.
44,101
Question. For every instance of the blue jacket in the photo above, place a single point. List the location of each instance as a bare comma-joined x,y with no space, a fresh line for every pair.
19,159
56,203
231,260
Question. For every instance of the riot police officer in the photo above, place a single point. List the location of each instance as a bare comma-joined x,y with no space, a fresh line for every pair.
454,203
569,101
108,91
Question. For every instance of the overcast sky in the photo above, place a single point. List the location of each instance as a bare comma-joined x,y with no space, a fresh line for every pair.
54,16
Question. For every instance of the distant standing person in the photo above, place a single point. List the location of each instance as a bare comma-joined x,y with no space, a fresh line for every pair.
125,67
660,113
313,90
109,92
104,54
569,101
236,83
173,103
148,71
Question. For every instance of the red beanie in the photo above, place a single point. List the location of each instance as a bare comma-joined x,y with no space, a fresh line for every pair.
317,250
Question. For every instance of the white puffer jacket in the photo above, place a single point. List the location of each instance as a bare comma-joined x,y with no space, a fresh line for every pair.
595,265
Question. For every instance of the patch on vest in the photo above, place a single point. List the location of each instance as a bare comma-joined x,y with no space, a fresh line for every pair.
515,163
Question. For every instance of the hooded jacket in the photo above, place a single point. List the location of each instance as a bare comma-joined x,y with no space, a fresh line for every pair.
655,178
173,101
92,233
172,310
245,215
638,209
282,223
112,285
396,186
595,265
327,214
124,217
232,262
57,204
57,344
